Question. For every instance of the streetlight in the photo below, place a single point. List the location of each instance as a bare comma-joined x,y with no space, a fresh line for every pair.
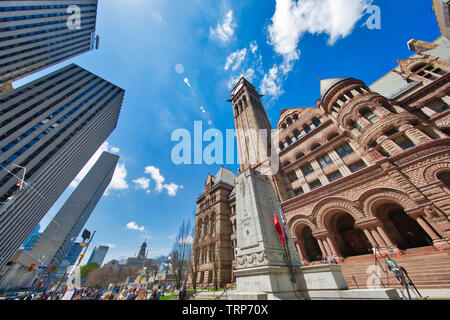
166,264
13,165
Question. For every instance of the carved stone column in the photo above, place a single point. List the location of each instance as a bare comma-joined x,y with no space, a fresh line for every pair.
438,242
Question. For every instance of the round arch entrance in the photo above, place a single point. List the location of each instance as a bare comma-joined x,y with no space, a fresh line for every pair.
310,244
350,240
401,227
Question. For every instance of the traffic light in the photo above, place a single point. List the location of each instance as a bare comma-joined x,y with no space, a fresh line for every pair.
86,235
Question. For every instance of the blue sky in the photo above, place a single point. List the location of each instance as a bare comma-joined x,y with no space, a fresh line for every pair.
171,58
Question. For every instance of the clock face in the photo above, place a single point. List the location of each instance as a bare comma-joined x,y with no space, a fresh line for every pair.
237,88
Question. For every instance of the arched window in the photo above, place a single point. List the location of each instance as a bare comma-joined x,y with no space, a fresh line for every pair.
389,107
417,67
295,117
283,126
289,121
299,155
286,163
332,136
236,109
356,125
445,178
369,115
315,146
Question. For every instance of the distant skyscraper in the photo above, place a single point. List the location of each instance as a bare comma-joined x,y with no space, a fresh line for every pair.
141,257
52,127
38,34
98,255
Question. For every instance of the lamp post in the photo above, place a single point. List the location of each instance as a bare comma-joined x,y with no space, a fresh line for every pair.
12,165
167,265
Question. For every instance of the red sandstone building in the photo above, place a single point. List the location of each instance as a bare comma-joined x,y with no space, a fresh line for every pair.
368,166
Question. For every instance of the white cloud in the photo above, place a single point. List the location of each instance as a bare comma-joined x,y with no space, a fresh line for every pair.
253,46
292,19
118,181
172,189
157,17
249,74
142,183
271,83
115,150
134,226
159,179
186,80
224,31
235,59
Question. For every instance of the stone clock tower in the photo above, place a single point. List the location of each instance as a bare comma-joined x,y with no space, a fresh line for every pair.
255,140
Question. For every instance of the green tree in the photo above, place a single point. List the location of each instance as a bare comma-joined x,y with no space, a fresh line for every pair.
85,270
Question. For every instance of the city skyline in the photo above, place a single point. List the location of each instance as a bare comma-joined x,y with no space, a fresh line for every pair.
230,45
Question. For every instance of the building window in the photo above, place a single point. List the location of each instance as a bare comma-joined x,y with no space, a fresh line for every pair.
307,128
334,176
356,125
325,160
289,141
391,132
332,136
297,134
292,177
299,155
384,152
307,169
289,121
299,191
316,122
281,146
315,146
344,150
438,105
369,115
445,178
404,142
315,184
357,166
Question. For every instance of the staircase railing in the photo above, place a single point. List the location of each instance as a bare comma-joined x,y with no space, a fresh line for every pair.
225,291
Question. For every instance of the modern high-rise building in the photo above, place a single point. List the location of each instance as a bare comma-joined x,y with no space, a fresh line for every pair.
49,129
38,34
54,245
98,255
74,252
32,238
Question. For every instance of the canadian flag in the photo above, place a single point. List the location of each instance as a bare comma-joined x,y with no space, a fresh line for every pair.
19,183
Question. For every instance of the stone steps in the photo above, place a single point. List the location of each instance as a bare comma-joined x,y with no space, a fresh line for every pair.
426,267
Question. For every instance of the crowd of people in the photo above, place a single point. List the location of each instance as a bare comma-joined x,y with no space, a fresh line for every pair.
95,294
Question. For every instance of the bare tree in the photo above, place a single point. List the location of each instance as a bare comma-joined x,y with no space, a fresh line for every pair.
194,265
181,253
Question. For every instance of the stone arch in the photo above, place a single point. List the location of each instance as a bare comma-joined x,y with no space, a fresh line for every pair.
431,172
373,197
300,220
324,209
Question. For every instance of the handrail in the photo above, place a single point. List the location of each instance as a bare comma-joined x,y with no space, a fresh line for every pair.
224,291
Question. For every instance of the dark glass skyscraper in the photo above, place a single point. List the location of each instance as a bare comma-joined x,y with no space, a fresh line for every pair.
37,34
49,129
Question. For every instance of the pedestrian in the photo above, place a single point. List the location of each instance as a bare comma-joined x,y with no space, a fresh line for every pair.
333,259
324,260
154,295
132,295
159,292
